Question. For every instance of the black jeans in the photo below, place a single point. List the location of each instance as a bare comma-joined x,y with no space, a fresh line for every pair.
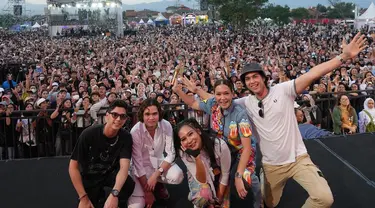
98,196
235,200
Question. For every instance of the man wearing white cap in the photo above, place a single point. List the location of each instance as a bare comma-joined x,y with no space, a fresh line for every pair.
43,129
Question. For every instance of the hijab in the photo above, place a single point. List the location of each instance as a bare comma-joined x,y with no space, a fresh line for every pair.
365,106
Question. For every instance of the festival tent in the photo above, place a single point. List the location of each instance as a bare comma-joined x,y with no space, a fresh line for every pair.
150,22
366,17
36,25
161,20
45,24
141,22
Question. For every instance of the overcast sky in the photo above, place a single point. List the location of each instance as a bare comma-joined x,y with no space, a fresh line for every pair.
291,3
124,1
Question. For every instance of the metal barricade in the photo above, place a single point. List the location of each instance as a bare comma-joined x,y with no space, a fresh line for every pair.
41,136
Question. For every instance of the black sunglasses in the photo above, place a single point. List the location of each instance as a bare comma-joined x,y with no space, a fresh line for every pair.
261,112
116,115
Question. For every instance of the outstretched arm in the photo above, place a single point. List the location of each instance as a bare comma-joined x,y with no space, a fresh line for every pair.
349,51
189,100
193,88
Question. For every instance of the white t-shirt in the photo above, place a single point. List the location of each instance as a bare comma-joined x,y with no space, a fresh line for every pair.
279,137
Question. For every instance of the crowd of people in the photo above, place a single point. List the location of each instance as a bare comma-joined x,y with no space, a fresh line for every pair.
67,84
88,73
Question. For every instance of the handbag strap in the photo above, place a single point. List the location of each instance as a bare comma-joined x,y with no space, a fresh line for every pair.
369,115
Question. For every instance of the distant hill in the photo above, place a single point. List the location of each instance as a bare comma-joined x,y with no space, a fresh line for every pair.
159,6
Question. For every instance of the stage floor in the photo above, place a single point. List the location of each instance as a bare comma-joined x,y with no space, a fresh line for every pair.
347,164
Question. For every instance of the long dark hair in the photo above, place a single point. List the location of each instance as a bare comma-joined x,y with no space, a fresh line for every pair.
208,142
147,103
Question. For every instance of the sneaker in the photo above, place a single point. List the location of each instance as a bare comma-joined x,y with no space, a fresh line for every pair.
161,191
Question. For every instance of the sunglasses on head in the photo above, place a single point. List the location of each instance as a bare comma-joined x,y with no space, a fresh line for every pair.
116,115
261,110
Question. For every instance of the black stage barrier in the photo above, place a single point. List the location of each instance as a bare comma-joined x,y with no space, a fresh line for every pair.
347,163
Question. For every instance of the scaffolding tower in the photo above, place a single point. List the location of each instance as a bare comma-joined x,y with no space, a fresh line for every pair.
15,7
13,11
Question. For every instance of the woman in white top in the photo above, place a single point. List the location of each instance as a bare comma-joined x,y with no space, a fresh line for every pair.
27,133
208,162
364,115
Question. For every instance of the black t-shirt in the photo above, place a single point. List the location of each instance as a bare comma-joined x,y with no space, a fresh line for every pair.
99,156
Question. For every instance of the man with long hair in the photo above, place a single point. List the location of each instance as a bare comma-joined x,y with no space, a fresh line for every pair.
152,136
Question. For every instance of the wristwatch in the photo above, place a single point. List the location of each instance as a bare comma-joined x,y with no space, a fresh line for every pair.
161,170
340,59
115,192
238,175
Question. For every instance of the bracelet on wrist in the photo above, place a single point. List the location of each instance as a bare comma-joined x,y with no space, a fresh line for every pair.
83,196
339,57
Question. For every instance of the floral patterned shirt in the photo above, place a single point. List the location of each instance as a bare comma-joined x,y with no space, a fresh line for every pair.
231,125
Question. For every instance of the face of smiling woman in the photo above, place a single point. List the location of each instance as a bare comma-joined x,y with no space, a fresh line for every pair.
190,138
223,96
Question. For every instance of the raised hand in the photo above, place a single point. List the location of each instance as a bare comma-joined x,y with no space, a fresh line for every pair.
189,85
357,45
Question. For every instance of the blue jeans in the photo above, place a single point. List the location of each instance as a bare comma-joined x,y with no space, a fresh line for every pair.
256,190
10,153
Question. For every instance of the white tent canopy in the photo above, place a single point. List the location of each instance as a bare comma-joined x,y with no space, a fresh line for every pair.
369,13
141,22
36,25
367,18
150,22
45,24
160,18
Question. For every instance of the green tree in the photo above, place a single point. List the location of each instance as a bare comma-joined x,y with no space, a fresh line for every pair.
341,10
321,8
238,12
300,13
279,14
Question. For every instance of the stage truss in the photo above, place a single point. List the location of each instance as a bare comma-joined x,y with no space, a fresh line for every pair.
90,14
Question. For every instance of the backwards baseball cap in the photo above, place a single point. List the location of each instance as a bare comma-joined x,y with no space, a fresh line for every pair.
251,67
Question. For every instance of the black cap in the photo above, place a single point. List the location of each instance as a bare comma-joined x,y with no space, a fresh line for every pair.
251,67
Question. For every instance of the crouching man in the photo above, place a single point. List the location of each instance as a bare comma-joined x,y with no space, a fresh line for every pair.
152,136
101,158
